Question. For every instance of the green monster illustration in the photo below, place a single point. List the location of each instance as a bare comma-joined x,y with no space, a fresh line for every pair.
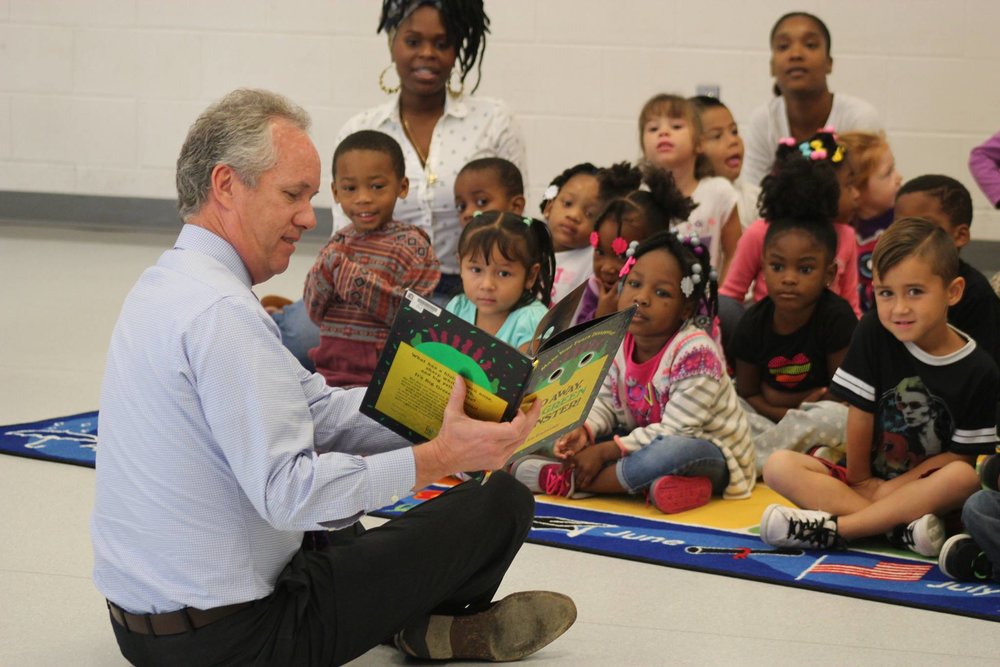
462,364
564,372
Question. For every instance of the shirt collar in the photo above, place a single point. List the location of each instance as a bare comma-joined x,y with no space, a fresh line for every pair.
390,110
199,239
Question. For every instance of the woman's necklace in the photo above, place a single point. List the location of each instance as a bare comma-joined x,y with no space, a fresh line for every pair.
431,176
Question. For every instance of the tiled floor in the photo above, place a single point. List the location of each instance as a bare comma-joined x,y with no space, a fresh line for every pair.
64,289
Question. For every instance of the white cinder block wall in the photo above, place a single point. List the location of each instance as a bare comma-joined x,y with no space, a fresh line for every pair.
96,95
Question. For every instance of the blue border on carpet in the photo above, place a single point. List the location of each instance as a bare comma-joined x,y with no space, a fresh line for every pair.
71,439
855,573
872,576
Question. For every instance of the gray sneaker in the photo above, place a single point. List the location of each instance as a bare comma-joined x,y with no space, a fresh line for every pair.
923,536
510,629
782,526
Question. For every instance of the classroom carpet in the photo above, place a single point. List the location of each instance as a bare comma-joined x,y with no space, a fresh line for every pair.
720,538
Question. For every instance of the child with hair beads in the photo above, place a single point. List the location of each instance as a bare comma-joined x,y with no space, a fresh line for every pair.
948,204
723,148
506,264
823,152
358,281
789,344
630,215
570,205
488,184
685,435
670,137
873,173
922,401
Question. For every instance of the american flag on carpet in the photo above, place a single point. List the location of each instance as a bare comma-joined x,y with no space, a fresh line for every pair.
885,570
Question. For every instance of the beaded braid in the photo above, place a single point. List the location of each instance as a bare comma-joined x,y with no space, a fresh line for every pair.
465,22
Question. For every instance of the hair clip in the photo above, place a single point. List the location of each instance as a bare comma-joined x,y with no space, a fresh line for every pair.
629,263
819,154
477,214
630,251
595,239
687,286
551,192
838,155
527,221
696,269
786,141
619,246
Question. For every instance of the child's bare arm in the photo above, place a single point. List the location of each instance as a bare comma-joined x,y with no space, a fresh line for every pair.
860,428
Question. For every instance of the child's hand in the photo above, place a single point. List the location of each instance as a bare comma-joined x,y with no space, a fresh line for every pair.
607,300
591,461
571,443
817,394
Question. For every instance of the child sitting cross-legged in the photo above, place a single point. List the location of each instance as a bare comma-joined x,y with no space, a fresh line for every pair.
922,405
789,344
683,436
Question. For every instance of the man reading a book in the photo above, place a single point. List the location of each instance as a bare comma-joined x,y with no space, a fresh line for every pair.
218,451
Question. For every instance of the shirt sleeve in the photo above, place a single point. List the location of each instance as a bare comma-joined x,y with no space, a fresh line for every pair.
320,290
749,335
975,429
694,397
509,140
760,151
847,257
380,292
854,381
746,262
604,418
837,325
266,423
984,165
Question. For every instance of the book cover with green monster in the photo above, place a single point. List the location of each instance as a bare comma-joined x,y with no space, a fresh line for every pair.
428,346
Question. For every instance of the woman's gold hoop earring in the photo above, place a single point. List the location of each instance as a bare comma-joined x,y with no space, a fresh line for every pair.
381,82
455,94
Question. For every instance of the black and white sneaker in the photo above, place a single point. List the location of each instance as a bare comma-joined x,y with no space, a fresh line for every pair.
964,560
923,536
782,526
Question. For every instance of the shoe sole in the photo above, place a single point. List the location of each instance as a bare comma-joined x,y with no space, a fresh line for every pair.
935,535
673,493
513,628
945,549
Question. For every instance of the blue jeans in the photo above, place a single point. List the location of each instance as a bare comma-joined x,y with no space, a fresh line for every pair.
981,516
673,455
298,333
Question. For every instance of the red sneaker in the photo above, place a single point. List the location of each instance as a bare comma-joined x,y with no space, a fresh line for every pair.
673,493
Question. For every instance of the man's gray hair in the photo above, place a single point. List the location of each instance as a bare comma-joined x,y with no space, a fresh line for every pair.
235,131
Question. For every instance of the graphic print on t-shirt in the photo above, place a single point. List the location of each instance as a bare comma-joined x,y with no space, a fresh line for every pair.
789,372
911,425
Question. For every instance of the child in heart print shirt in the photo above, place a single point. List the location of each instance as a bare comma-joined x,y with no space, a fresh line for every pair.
790,343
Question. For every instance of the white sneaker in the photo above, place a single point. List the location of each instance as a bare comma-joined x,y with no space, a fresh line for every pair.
782,526
923,536
528,469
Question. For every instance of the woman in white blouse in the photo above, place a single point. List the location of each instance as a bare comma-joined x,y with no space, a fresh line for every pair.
803,103
434,45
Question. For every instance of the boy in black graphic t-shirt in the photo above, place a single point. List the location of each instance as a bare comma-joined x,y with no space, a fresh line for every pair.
922,405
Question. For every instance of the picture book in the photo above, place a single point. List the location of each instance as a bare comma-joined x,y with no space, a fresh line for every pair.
428,346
